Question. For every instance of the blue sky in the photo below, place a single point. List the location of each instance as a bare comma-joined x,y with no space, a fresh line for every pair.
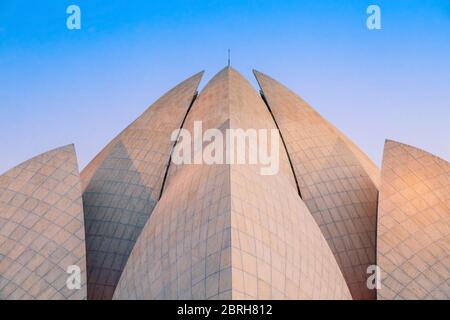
59,86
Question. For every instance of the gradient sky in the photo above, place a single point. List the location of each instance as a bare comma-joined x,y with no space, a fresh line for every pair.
59,86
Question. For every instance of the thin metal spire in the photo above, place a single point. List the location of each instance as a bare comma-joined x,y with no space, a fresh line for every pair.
229,58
